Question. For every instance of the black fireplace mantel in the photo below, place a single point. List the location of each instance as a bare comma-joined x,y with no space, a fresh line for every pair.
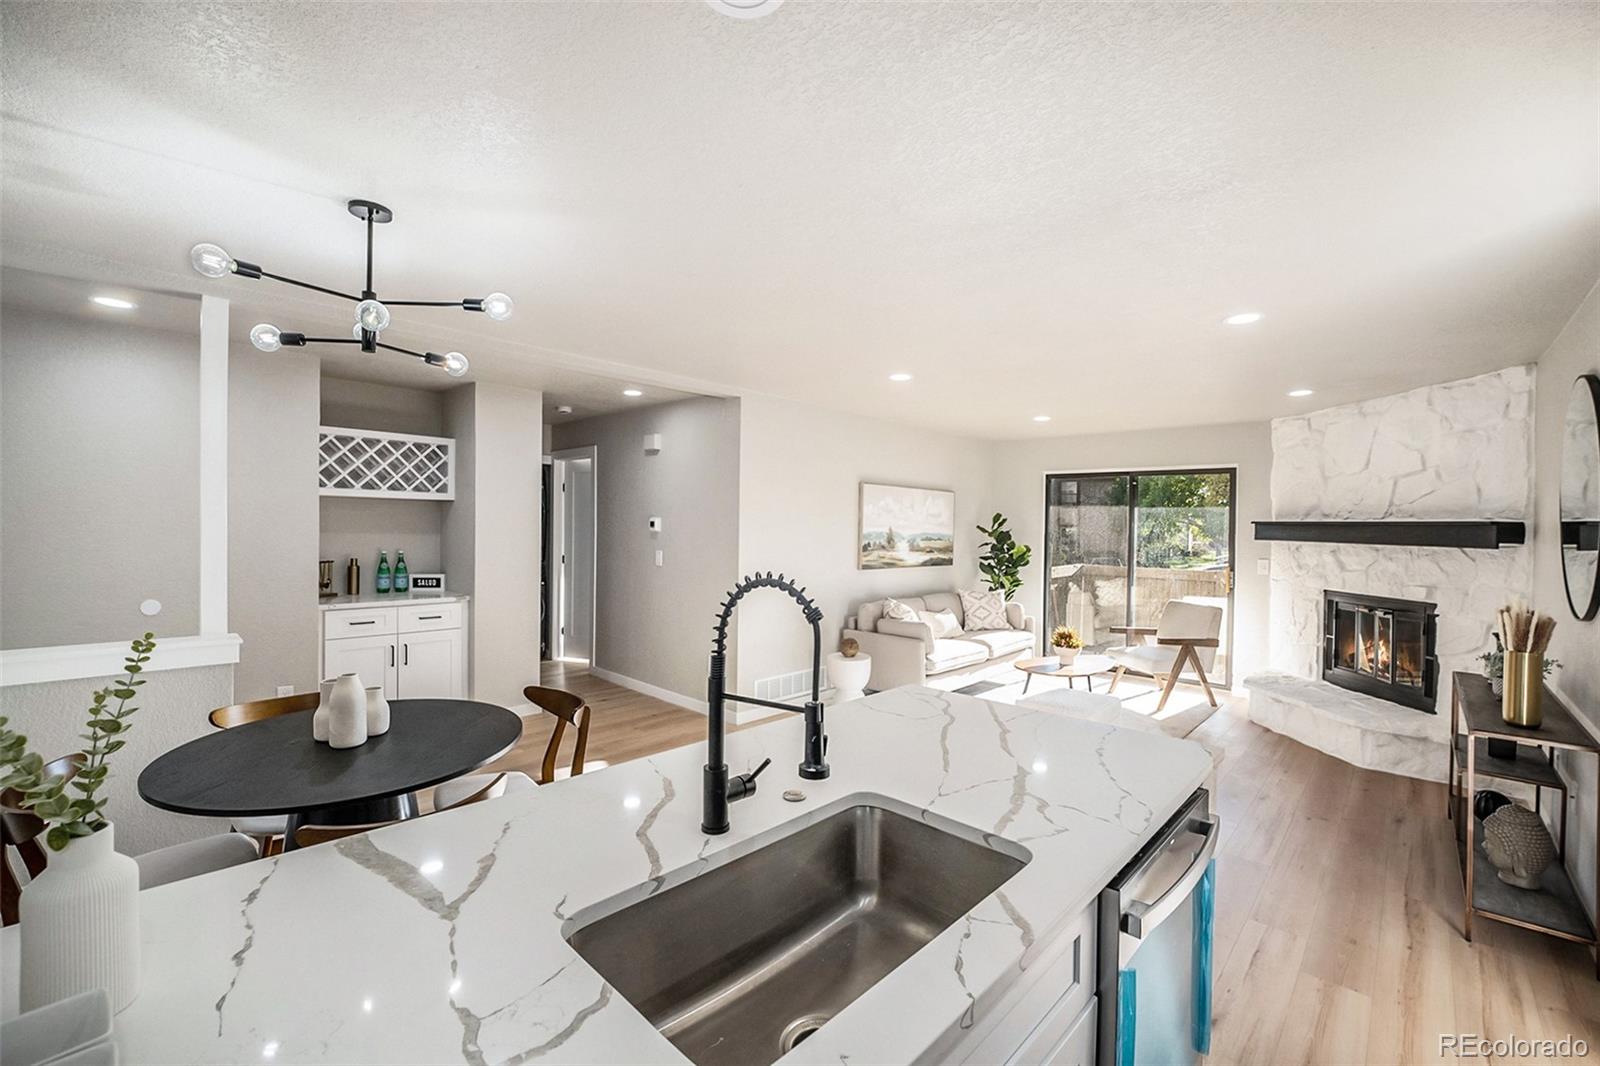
1483,533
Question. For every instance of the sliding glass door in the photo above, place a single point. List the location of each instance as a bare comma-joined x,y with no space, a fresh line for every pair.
1118,546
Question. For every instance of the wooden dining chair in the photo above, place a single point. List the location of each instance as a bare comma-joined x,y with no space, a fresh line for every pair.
266,830
568,708
21,829
310,835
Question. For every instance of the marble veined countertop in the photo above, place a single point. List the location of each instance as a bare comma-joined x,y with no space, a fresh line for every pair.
439,939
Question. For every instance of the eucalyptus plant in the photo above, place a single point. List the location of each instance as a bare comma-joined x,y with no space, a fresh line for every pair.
47,797
1002,558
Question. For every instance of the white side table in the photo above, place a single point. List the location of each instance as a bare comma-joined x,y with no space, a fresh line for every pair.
849,677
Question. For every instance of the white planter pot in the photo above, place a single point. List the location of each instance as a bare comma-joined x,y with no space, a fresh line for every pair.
319,717
347,713
80,924
377,711
1067,655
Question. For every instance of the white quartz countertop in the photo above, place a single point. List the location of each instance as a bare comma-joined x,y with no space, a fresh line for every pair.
391,599
439,939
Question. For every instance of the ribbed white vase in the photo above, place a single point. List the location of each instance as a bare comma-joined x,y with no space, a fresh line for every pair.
377,711
80,924
347,713
319,717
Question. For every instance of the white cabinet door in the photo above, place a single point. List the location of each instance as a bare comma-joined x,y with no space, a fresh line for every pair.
430,665
374,658
1078,1046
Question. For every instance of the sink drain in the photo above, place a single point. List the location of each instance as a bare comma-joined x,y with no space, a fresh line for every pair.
796,1031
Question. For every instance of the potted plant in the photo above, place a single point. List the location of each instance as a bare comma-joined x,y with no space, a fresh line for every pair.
80,916
1001,558
1067,644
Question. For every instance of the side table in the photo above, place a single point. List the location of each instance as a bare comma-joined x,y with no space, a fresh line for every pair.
849,677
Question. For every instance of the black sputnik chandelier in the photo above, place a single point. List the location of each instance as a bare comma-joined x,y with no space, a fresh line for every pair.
372,316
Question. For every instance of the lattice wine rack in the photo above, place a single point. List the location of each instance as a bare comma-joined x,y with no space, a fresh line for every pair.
391,466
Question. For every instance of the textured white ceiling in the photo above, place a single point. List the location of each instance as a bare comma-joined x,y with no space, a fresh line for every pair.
1033,208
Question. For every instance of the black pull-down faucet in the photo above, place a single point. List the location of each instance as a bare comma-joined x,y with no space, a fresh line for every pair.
720,790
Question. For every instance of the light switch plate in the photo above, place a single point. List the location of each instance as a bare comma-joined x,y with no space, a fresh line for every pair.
286,690
1264,567
658,556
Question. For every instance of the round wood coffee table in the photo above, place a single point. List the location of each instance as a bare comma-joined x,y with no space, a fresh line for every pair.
1084,666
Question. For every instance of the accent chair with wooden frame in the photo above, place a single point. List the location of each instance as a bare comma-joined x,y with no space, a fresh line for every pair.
266,830
1186,639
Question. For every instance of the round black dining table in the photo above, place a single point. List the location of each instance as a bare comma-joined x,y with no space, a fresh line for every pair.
273,766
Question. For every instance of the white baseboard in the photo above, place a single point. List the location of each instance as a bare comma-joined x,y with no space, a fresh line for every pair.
644,687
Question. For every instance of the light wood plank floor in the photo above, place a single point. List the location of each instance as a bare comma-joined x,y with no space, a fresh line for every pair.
1339,901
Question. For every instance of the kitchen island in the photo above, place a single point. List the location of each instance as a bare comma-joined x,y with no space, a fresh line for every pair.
442,939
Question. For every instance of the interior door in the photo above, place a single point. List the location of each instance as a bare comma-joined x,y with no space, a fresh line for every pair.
577,558
430,665
373,658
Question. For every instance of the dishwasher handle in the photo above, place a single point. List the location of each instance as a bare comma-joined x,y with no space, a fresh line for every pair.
1139,917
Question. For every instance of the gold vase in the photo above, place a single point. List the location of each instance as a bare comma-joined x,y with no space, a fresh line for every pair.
1524,688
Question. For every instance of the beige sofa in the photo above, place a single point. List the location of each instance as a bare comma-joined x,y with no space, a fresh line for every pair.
906,653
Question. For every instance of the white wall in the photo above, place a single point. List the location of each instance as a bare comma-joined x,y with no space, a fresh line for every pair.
1018,492
800,471
1577,644
100,482
272,518
492,532
653,622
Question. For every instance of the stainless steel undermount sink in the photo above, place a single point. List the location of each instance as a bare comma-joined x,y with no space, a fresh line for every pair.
742,962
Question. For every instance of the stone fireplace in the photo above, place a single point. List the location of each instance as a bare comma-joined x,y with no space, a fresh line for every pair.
1381,646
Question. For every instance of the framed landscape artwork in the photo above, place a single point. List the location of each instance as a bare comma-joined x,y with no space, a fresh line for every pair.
903,527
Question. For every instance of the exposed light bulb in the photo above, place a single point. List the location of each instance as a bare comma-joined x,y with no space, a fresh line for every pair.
267,337
498,306
455,364
357,332
210,260
372,315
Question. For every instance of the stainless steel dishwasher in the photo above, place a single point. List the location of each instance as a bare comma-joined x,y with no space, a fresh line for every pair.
1154,972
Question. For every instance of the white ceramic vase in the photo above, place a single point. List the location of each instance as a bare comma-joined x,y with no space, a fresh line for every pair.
80,924
319,717
347,713
377,711
1067,655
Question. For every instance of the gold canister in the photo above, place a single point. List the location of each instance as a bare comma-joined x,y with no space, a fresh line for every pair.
1524,689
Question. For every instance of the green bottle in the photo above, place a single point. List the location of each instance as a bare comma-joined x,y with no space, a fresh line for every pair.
383,582
402,576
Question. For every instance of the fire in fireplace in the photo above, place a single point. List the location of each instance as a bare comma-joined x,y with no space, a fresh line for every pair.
1381,646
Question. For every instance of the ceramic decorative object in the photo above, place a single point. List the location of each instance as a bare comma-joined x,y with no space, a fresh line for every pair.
319,717
1487,801
1497,684
848,675
1067,655
347,713
377,711
849,647
80,924
1518,845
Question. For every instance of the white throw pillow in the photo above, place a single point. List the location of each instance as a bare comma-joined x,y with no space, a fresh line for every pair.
984,610
943,624
899,612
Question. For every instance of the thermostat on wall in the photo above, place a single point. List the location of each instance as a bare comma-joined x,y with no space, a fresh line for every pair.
427,582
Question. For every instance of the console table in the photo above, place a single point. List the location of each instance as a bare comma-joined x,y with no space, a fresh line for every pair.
1554,908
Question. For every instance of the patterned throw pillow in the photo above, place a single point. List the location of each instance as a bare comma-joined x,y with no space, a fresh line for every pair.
984,610
899,612
943,624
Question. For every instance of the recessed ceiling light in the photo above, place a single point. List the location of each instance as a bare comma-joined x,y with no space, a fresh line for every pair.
1041,418
115,303
1243,318
632,394
901,376
1298,393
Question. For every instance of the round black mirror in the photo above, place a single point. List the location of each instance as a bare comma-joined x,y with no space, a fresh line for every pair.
1580,498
